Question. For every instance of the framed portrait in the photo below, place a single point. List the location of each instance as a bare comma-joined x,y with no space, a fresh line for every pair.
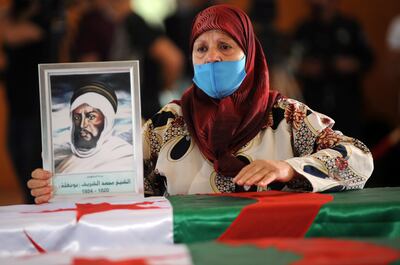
91,128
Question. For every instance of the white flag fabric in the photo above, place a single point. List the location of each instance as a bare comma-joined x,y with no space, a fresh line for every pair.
149,254
81,227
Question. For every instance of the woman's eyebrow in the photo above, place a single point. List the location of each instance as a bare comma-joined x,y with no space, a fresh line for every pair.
224,39
197,42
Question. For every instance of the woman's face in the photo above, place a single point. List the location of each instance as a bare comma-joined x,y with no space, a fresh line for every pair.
215,46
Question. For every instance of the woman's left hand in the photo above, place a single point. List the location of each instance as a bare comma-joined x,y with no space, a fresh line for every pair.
263,172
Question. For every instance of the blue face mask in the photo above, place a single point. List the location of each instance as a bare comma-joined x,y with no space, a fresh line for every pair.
220,79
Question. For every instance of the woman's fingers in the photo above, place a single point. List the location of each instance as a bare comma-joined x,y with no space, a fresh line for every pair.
267,180
41,191
38,183
40,173
246,173
257,177
43,199
252,172
263,172
241,173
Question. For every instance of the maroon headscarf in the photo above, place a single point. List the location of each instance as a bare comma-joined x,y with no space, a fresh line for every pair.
222,127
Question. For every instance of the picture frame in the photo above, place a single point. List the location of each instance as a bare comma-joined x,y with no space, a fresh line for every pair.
91,129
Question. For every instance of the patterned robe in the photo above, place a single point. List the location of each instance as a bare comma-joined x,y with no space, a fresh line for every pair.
325,159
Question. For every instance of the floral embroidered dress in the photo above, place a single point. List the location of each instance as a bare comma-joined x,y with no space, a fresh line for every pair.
326,160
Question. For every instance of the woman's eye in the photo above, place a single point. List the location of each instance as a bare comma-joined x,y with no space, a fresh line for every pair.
201,49
76,118
225,46
92,117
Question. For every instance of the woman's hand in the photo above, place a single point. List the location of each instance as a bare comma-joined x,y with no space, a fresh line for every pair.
263,172
40,186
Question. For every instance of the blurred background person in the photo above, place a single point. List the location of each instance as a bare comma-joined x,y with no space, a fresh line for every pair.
277,48
162,61
91,41
111,30
178,28
31,36
334,57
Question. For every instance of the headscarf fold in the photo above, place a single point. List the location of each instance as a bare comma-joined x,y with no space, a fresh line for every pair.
221,127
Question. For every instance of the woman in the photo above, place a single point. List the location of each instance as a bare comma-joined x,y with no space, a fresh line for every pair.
229,133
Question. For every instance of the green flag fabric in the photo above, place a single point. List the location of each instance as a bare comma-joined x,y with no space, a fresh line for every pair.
362,213
299,251
199,218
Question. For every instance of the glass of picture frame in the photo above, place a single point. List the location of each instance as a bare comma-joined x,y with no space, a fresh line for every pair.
91,129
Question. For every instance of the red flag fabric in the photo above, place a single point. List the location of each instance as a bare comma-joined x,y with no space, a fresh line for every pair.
276,214
327,250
